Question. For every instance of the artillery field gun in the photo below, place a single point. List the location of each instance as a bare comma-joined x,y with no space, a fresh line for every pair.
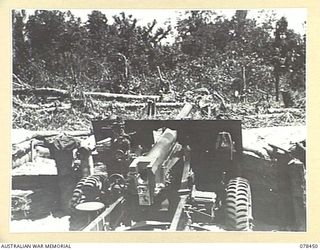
168,175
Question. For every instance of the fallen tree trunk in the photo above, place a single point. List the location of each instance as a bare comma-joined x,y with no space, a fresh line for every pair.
26,152
43,152
32,146
17,162
284,110
170,104
53,106
122,97
19,150
44,107
42,92
66,93
268,116
63,107
37,106
40,135
141,105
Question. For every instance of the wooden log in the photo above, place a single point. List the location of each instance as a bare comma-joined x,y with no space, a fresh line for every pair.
42,92
53,105
268,116
66,93
18,150
22,153
40,135
63,107
27,152
121,97
169,104
28,157
43,106
184,112
284,110
141,105
42,152
22,105
17,162
118,105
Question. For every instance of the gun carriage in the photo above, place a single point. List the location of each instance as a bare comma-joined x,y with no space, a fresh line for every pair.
172,175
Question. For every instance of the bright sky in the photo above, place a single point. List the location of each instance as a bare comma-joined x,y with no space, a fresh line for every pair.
296,17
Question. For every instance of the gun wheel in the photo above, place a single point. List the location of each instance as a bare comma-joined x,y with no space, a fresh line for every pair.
238,211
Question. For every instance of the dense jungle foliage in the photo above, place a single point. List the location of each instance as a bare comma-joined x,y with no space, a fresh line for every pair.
56,49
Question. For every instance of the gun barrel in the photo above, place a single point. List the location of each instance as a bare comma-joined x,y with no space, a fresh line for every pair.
151,167
162,148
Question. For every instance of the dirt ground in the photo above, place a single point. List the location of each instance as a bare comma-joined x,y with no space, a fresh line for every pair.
284,137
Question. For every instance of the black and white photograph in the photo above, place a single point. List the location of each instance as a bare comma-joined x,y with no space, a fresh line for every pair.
128,120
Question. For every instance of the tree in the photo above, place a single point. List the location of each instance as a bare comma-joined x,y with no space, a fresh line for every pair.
97,26
289,58
280,51
44,29
53,48
20,45
223,52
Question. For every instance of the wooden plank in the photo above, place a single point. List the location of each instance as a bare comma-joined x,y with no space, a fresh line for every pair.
186,168
96,223
177,221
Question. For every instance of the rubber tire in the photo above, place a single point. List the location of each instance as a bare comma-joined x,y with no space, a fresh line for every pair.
238,214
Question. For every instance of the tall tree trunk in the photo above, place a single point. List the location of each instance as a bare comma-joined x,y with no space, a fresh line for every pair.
244,90
277,78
